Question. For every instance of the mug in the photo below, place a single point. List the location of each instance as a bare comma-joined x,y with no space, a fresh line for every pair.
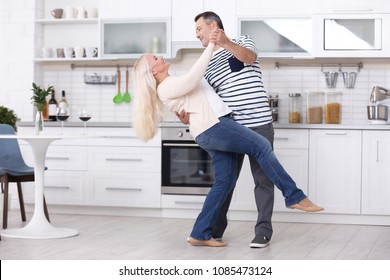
60,53
91,12
46,52
57,13
69,53
80,12
70,12
79,52
91,52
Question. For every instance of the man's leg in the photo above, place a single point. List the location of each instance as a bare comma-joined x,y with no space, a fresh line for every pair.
264,195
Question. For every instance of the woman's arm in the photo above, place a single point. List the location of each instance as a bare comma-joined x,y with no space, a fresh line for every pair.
181,85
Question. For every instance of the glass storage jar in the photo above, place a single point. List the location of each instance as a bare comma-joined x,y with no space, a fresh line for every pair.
314,106
332,107
295,105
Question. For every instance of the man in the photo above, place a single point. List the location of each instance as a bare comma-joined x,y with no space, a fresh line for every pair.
235,75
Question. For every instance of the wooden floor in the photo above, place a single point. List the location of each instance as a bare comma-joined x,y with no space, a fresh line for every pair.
119,238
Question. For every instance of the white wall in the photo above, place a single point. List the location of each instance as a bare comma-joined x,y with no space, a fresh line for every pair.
17,73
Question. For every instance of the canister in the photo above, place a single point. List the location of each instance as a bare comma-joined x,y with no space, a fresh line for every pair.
332,107
314,106
295,107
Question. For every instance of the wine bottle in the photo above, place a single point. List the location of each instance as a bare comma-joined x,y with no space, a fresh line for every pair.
63,102
53,104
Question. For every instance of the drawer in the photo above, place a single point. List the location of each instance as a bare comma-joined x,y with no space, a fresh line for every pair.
183,201
60,187
125,159
60,157
291,139
125,189
115,137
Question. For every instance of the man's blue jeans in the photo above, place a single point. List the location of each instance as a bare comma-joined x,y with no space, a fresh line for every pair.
222,141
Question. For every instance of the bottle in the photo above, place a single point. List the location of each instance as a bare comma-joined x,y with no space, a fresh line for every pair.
53,104
63,104
295,108
45,111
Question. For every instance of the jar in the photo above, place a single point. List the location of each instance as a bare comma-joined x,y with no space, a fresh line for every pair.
332,107
295,107
314,106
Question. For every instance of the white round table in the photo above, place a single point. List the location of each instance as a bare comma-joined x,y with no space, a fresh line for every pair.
38,227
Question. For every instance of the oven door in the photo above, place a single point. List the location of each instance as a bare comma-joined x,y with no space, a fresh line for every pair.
186,168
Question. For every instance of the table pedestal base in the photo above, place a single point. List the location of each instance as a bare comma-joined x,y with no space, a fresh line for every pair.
39,229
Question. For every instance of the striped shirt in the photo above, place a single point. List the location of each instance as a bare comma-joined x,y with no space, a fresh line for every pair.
240,85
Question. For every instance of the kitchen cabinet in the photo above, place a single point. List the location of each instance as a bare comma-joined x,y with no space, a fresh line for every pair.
335,170
131,38
376,175
351,35
356,6
291,149
125,9
278,36
274,8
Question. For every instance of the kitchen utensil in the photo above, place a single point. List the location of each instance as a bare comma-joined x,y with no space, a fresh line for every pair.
349,79
379,94
126,95
331,78
377,112
118,98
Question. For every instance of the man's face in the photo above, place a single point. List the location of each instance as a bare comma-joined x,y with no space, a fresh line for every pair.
203,30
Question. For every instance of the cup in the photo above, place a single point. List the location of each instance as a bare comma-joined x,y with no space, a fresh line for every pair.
70,12
80,12
91,12
57,13
91,52
69,52
79,52
46,52
60,53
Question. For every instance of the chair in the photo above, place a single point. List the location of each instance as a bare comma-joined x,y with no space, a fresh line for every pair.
13,169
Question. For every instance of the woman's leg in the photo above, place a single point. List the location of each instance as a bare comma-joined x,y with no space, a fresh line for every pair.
225,166
230,136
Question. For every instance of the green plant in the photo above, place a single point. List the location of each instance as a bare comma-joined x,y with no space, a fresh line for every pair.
40,94
8,116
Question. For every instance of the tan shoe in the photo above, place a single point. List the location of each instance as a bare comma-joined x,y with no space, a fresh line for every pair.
211,242
306,205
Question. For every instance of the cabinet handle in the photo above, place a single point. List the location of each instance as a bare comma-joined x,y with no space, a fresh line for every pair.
179,145
188,202
281,138
353,11
377,151
123,189
58,158
336,133
121,137
124,159
57,187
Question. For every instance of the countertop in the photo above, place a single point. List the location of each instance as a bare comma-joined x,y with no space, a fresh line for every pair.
365,126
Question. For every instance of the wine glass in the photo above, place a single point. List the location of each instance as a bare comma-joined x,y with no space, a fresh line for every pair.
85,115
62,115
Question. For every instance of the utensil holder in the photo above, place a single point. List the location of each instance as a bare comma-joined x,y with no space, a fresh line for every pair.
331,78
349,79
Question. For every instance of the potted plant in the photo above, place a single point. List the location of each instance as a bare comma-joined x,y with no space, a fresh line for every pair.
8,116
39,99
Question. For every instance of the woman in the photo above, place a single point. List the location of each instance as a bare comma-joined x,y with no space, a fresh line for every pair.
214,131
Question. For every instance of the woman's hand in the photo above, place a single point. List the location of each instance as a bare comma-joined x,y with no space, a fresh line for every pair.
184,117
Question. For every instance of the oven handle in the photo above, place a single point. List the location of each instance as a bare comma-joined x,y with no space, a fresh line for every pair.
180,145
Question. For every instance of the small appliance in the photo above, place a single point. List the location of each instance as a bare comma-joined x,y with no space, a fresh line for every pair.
378,110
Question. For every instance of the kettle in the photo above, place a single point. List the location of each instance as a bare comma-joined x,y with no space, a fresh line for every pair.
379,94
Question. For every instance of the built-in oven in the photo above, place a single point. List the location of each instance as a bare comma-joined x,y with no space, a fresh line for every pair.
186,168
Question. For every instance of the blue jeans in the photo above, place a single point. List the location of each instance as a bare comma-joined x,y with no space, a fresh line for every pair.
222,141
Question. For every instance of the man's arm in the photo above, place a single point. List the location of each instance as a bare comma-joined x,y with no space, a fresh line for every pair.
241,53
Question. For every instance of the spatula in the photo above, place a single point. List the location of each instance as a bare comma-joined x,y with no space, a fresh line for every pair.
118,98
126,95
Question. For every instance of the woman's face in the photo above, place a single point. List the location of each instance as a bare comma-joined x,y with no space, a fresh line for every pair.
157,64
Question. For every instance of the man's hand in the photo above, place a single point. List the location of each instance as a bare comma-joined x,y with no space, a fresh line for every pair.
184,117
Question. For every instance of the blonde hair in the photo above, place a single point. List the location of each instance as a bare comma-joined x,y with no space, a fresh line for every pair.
147,106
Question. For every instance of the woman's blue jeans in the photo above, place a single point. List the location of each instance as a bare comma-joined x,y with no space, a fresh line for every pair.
222,141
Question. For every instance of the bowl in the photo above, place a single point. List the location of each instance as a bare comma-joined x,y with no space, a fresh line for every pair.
377,112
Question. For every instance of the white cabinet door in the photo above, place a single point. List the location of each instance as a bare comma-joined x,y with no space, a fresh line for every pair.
183,24
335,170
274,8
127,9
226,9
376,175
